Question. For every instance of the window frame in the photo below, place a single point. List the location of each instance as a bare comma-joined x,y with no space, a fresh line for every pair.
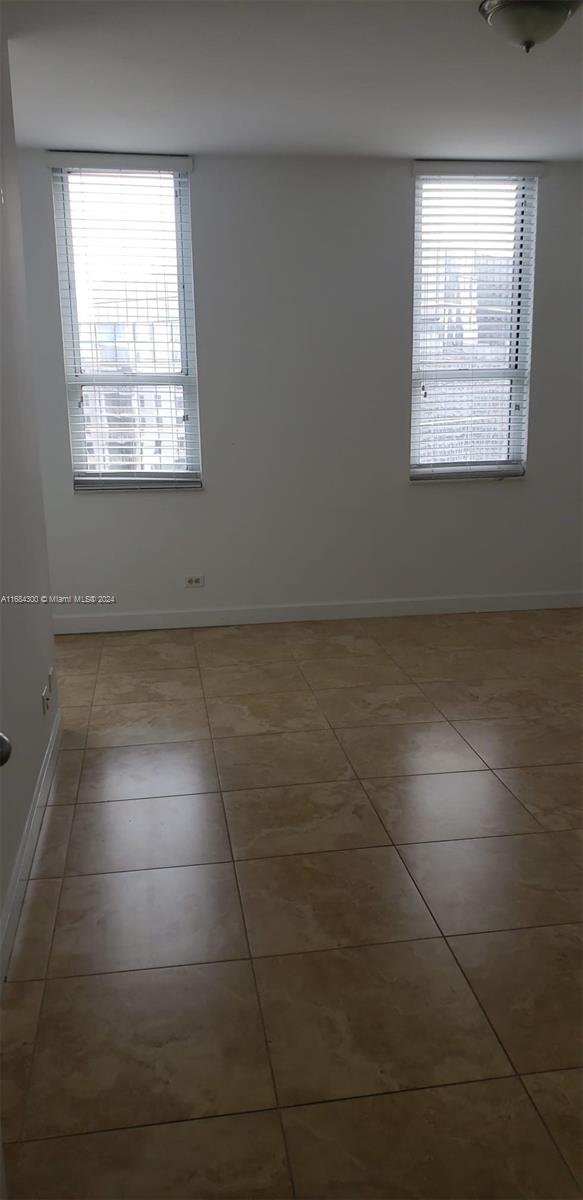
530,174
85,480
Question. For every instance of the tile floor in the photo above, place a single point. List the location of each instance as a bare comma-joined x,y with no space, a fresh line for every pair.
304,917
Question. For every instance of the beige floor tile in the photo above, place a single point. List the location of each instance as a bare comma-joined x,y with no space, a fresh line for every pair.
372,1019
32,944
149,637
529,984
269,760
547,657
554,795
131,772
135,919
505,698
472,630
352,671
285,712
569,842
524,743
432,808
132,657
427,663
147,686
496,882
79,653
237,645
301,818
18,1021
74,733
224,1158
51,849
558,1095
446,631
391,704
299,902
478,1140
248,678
309,643
417,627
66,777
162,831
298,631
146,724
448,644
407,750
76,691
147,1046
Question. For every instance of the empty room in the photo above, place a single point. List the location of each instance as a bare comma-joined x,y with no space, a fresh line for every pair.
291,753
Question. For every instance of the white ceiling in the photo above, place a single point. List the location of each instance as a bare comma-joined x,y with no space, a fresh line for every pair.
414,78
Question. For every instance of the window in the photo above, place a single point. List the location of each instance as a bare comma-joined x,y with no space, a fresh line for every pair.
127,306
473,291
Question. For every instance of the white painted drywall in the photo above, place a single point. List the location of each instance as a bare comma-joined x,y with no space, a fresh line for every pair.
303,277
26,641
397,78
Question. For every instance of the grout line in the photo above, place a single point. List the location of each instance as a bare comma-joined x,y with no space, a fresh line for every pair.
429,909
255,985
342,748
460,968
34,1048
283,854
429,1087
542,1118
331,949
523,803
315,782
286,1108
257,994
210,962
510,1059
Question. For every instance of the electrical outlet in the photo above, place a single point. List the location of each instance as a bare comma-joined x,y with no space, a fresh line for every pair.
192,581
45,700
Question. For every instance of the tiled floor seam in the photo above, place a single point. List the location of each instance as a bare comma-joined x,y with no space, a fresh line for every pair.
438,926
477,1000
391,845
394,845
379,814
341,748
44,979
550,1133
429,1087
257,996
428,906
495,771
426,937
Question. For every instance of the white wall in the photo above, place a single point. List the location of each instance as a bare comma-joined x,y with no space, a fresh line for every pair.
26,641
303,287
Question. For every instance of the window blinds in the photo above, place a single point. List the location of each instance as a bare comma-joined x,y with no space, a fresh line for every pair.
472,319
127,305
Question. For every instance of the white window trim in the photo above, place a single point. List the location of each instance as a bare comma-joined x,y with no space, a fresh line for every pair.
533,170
463,473
180,166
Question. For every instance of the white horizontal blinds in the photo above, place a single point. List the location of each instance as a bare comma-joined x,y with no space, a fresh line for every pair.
473,294
125,277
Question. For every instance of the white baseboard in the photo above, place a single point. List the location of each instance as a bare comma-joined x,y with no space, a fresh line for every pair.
104,622
20,874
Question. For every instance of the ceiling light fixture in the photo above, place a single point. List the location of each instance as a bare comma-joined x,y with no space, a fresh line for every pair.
527,22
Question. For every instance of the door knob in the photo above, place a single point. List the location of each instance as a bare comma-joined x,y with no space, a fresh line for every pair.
5,749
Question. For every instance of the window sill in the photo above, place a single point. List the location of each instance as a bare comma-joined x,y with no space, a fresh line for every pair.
119,484
490,474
